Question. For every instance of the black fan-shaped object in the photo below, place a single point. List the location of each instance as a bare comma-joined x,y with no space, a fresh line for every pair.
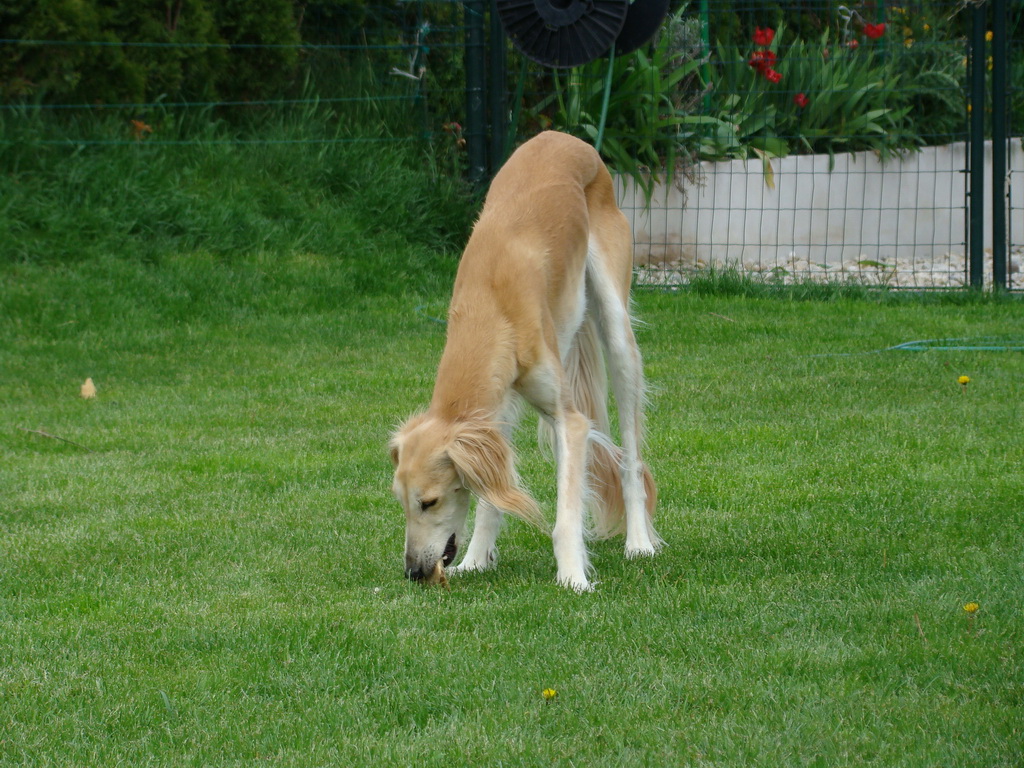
563,33
642,20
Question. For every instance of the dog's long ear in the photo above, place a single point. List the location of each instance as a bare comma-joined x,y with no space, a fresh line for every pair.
483,458
395,442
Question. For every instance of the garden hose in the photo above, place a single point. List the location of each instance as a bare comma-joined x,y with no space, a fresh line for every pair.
607,97
517,104
979,344
421,311
1014,344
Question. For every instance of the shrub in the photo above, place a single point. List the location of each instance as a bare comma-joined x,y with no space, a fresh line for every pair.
267,64
107,71
122,51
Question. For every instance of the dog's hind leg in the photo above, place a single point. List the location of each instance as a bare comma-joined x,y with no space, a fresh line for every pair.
544,387
627,377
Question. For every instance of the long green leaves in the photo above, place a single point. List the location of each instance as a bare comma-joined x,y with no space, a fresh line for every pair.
670,106
828,98
649,120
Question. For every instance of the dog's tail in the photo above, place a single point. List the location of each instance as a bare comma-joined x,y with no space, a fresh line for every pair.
588,380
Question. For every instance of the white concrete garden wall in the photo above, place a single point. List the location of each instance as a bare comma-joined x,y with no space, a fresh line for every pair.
905,209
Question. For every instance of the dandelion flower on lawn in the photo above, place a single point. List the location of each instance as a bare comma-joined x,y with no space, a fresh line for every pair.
971,607
549,694
964,381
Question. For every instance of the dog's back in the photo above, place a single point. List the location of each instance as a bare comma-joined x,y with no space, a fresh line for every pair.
550,204
535,220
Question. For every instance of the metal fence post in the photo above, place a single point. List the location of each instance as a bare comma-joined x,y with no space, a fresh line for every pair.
1000,54
476,109
496,91
976,156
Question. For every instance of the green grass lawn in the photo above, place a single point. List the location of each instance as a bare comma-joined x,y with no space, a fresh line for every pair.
210,572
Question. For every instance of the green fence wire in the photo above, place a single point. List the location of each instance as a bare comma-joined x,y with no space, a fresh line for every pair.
803,141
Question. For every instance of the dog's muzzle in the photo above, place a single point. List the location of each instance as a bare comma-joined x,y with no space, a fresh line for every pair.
414,570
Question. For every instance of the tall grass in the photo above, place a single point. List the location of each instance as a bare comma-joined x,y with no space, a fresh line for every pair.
291,185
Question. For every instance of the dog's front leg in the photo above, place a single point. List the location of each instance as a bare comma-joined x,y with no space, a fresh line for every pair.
571,432
482,552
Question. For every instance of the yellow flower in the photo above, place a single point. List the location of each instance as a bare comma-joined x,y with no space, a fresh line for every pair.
549,694
908,42
988,63
964,380
927,27
989,35
971,607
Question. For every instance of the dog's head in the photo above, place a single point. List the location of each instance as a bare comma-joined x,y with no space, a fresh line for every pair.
437,464
432,493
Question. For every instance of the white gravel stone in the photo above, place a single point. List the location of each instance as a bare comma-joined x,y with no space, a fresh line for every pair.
947,270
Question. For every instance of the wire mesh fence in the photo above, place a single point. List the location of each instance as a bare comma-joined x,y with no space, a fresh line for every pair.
801,141
1011,51
369,72
809,141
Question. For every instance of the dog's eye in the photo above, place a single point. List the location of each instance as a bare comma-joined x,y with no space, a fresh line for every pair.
427,504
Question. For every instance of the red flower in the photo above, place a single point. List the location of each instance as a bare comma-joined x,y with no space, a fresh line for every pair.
852,44
801,100
874,31
762,61
764,36
772,76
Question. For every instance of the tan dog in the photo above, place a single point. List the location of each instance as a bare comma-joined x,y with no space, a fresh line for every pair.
542,293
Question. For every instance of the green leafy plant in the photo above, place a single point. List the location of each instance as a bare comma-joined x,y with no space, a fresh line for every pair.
854,86
638,109
815,97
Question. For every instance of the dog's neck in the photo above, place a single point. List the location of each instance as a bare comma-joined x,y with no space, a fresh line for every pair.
477,368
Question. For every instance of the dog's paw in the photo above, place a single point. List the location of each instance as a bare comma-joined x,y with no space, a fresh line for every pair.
470,563
578,584
632,553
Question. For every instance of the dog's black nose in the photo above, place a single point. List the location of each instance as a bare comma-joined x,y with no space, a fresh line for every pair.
415,574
